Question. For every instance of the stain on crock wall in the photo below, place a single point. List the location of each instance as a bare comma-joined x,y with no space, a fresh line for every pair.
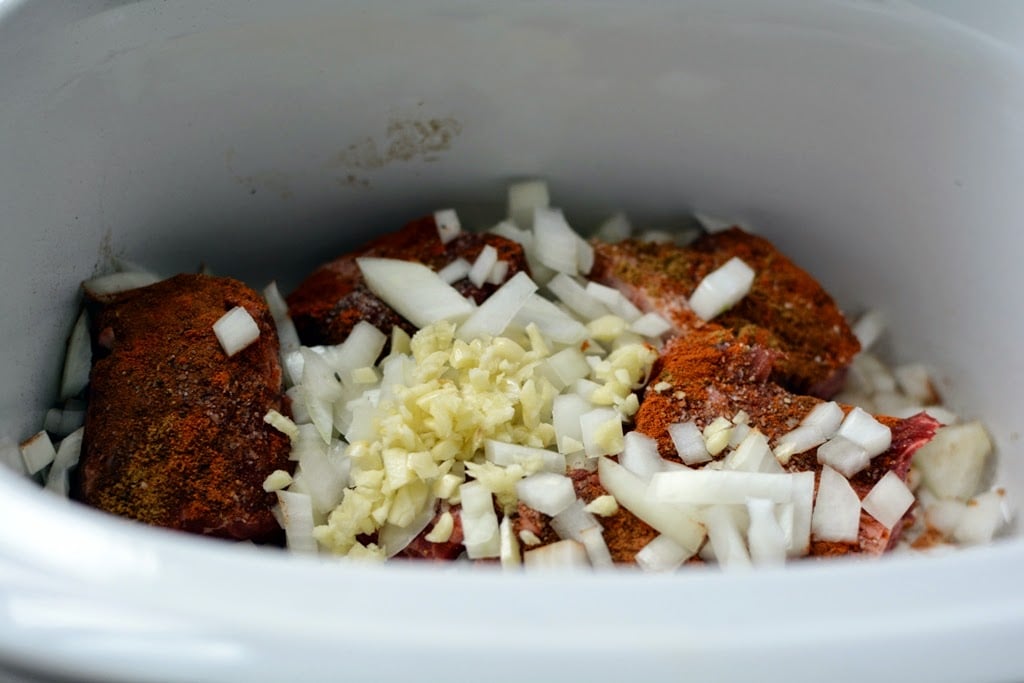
406,139
276,183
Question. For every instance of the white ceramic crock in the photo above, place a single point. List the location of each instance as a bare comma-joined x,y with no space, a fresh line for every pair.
879,144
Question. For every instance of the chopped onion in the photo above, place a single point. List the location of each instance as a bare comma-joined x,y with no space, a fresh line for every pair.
554,242
650,325
640,455
78,360
479,522
750,455
888,500
320,389
803,504
414,291
566,411
869,375
602,432
725,537
482,266
944,515
825,418
597,550
615,301
509,553
573,520
689,442
845,456
614,229
558,555
953,462
494,315
983,517
765,537
37,451
505,454
915,381
662,554
523,198
869,328
455,271
394,538
66,458
546,492
576,297
361,348
679,522
295,512
707,487
836,515
722,289
235,330
498,273
104,286
862,428
552,321
567,366
448,226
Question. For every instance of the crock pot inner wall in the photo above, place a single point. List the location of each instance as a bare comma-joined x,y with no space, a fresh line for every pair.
879,150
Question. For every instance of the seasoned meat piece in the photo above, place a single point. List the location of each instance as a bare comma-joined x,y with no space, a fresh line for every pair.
328,304
174,431
422,549
713,373
785,308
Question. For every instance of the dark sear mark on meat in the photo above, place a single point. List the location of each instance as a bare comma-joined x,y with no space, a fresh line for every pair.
174,431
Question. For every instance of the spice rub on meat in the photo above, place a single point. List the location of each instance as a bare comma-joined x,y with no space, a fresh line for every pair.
715,373
786,308
328,304
174,430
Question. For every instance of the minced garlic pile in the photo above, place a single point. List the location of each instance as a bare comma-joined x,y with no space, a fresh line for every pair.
425,434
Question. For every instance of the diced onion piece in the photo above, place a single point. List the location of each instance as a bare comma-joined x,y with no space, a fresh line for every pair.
662,554
236,330
614,229
584,256
296,517
566,411
869,375
523,198
836,515
482,266
615,301
915,381
751,453
505,454
953,462
640,455
709,487
567,366
288,337
414,291
320,389
597,550
860,427
554,242
559,555
845,456
689,442
455,271
570,522
602,432
394,538
360,349
494,315
725,537
824,418
576,297
510,231
498,273
104,286
765,537
448,225
944,515
888,500
78,360
325,469
479,522
37,451
722,289
546,492
66,458
552,321
679,522
983,517
869,328
650,325
803,505
509,553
